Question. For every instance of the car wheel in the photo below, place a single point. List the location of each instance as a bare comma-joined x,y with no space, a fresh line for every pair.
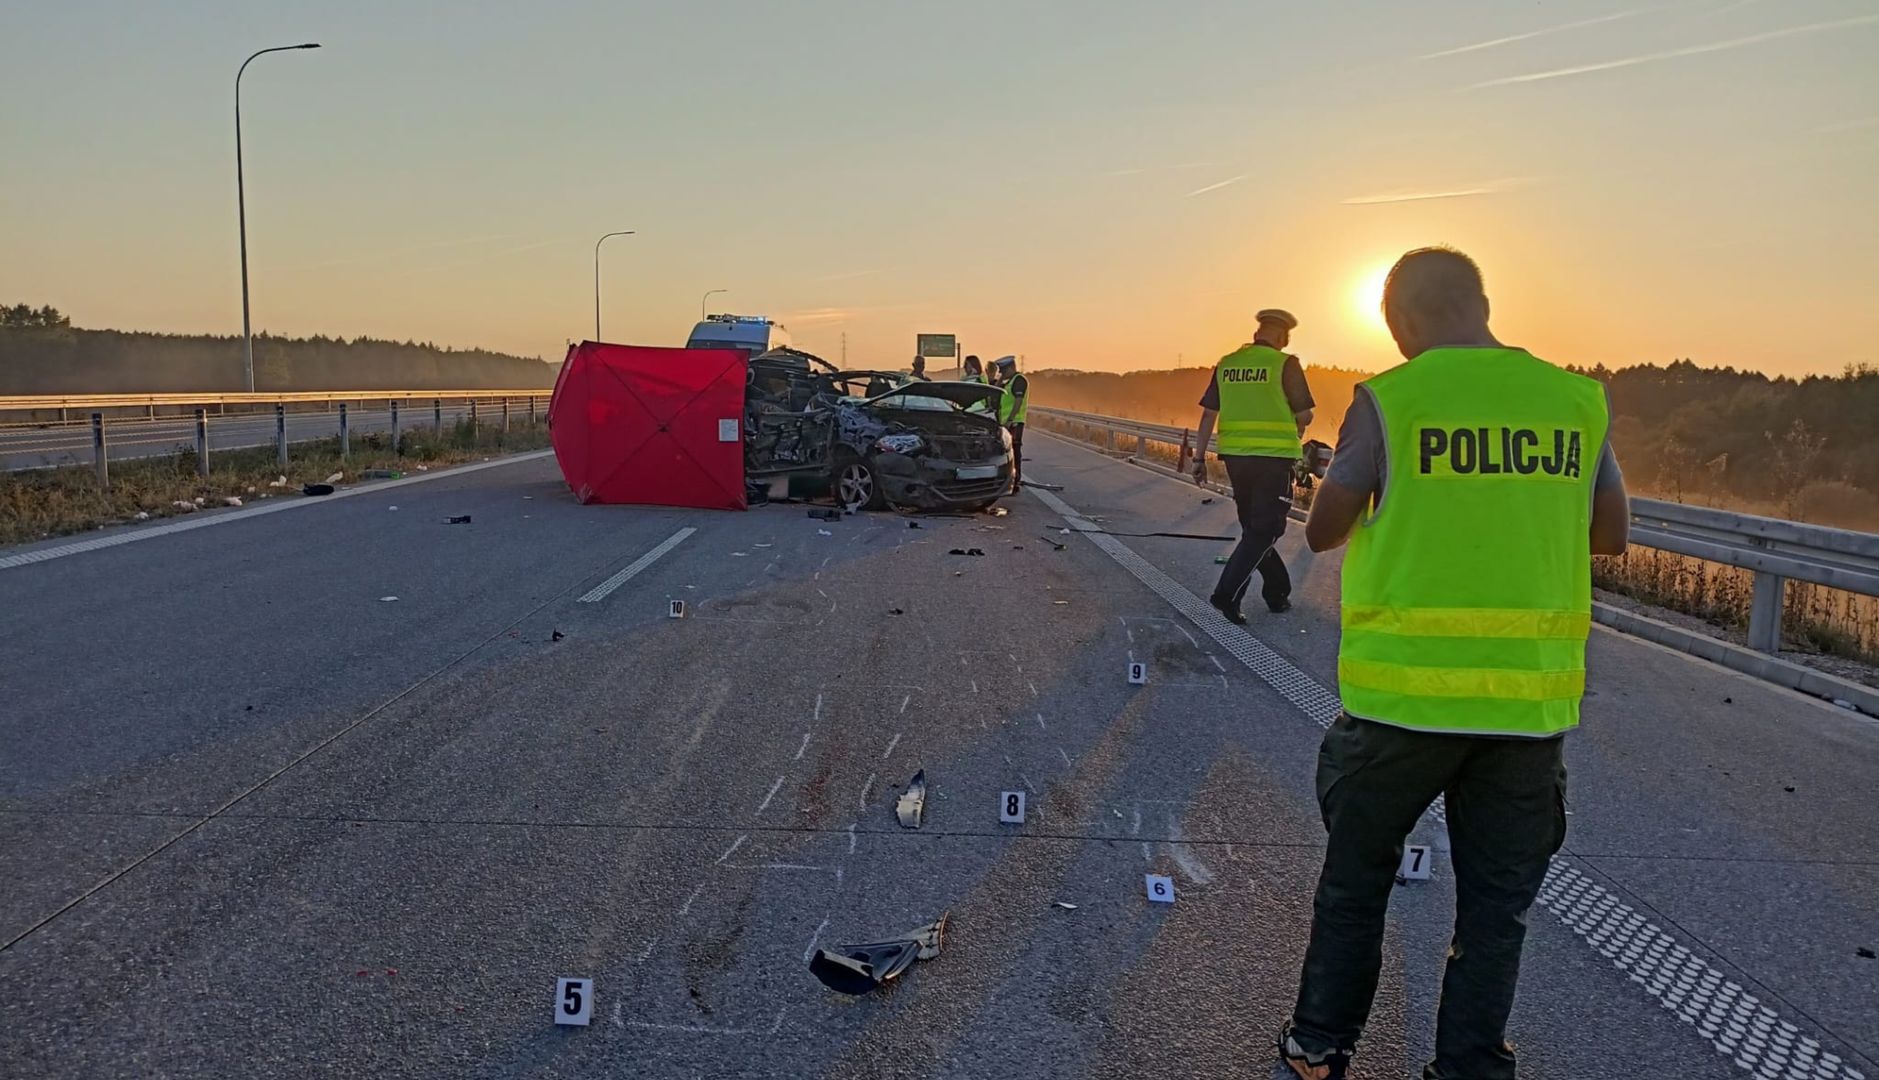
856,487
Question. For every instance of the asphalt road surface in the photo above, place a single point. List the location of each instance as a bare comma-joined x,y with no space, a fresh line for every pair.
38,446
256,820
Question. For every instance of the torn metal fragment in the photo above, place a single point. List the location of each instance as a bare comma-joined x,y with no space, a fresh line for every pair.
912,802
458,519
857,969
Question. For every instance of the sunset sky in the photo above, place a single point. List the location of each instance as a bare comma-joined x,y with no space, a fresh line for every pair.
1095,185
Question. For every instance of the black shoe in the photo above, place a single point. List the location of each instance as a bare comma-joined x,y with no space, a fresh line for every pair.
1228,610
1279,607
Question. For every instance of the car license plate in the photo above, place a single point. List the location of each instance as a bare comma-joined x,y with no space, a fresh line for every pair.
979,472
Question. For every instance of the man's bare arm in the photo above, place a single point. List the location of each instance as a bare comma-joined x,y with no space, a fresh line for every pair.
1335,511
1303,419
1207,417
1611,519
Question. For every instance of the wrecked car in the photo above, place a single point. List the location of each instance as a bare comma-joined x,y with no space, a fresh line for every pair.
874,438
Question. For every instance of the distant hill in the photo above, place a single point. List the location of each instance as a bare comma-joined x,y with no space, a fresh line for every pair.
42,353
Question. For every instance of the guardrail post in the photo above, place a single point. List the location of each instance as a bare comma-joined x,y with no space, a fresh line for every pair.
437,415
531,411
394,426
1765,613
472,416
97,450
505,416
1109,439
1141,446
280,434
345,434
202,442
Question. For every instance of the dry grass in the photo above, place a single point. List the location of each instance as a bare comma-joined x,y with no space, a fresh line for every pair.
55,502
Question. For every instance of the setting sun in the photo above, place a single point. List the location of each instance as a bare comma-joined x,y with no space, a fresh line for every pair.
1366,299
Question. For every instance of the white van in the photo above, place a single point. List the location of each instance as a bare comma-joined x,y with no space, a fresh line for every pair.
754,334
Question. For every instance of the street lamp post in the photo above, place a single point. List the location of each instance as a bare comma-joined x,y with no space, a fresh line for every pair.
597,243
241,214
709,293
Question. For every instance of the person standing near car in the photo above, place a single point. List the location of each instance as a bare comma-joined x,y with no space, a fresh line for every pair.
1461,487
1260,398
972,370
1011,410
919,367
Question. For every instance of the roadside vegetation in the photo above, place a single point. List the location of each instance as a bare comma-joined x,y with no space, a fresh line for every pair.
45,503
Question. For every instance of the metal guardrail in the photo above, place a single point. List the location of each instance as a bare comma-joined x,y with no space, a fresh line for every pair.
1774,550
82,402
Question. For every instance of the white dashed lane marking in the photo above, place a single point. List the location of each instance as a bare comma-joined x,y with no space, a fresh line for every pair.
1735,1022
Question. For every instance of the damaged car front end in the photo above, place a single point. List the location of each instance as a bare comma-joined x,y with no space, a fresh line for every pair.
875,439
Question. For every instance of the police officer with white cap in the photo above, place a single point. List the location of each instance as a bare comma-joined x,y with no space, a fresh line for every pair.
1259,396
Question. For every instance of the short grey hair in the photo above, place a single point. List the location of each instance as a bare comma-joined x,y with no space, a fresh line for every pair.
1436,284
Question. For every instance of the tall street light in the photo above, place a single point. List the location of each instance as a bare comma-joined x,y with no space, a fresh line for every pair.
709,293
597,243
241,213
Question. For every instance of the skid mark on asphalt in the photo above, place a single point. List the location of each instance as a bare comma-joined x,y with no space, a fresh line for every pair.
1735,1023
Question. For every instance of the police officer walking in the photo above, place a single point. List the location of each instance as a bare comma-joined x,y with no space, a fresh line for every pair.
1474,484
1263,403
1011,411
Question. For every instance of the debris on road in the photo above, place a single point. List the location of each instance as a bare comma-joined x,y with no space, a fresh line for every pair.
895,611
231,500
141,515
912,802
966,551
822,514
184,505
1041,486
316,489
824,532
277,482
336,478
1209,499
1060,603
381,474
1066,906
459,519
1220,558
913,524
999,511
857,969
1051,542
556,636
1865,954
386,599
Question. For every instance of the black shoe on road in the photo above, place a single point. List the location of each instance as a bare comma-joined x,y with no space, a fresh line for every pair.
1279,607
1228,610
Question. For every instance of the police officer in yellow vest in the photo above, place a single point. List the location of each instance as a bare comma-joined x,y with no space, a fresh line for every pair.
1012,408
1473,484
1263,403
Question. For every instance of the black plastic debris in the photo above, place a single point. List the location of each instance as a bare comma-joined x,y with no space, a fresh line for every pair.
912,802
895,611
316,489
1865,954
966,551
913,524
556,636
857,969
1209,499
458,519
1041,486
825,514
1051,542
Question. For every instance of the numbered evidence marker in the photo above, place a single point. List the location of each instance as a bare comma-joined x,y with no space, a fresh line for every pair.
574,1001
1160,888
678,609
1415,865
1011,807
1138,673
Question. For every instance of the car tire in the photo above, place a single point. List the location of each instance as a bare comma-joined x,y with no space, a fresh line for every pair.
855,484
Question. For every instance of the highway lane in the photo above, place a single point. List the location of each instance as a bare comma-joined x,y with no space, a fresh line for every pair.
31,446
681,809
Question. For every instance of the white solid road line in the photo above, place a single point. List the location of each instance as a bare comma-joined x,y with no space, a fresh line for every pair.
132,536
602,590
1725,1014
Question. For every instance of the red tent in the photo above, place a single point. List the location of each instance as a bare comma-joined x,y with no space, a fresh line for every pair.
635,424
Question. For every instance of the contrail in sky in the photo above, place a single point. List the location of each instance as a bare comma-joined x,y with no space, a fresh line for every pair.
1214,187
1562,28
1416,196
1673,54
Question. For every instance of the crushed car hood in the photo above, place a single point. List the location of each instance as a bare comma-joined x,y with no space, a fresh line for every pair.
962,394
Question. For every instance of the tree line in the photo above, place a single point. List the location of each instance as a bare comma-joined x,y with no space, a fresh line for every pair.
42,353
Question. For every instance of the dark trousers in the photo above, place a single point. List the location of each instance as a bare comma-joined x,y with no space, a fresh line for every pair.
1017,455
1262,493
1506,801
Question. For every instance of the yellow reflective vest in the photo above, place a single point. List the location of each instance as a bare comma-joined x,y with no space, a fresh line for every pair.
1468,592
1255,418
